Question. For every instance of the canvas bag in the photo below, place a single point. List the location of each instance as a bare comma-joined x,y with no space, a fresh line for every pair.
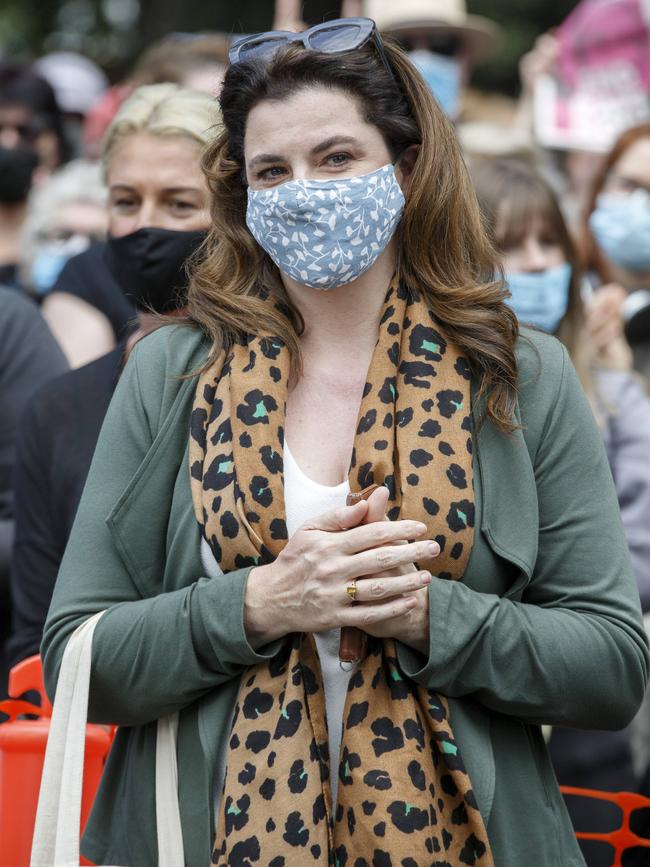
56,831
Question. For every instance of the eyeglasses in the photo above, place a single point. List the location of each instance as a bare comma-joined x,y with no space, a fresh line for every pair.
332,37
448,45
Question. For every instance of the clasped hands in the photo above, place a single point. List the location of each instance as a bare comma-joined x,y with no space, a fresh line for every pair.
304,589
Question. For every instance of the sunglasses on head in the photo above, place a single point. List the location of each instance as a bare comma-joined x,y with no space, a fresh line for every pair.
332,37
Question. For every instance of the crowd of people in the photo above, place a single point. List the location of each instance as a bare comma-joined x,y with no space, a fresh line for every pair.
179,225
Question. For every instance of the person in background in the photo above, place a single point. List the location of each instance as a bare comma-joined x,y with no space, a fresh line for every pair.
570,170
17,167
32,145
67,215
31,116
544,276
196,61
442,40
87,291
153,145
29,357
64,216
193,60
616,248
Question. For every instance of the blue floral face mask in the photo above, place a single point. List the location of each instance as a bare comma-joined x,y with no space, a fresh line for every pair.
540,298
621,227
442,74
325,234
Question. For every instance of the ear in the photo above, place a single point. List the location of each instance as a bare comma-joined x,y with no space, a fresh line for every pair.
405,165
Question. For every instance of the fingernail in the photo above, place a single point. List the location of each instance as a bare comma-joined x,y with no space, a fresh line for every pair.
425,577
433,548
419,527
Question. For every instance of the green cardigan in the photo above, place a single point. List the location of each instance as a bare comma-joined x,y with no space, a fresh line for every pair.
545,628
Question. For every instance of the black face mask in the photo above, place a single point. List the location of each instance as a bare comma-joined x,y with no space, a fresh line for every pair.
16,169
149,266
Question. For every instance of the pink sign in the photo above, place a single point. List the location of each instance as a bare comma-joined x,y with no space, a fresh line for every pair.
602,80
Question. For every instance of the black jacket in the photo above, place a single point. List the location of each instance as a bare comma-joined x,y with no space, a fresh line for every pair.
57,440
29,355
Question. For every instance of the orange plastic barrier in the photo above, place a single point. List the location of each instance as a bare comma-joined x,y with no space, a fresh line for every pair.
22,751
623,837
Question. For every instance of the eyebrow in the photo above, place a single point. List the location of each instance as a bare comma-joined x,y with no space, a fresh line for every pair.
323,146
173,190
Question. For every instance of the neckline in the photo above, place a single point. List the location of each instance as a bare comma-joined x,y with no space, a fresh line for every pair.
330,489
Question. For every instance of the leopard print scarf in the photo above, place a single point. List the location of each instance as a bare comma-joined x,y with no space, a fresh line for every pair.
404,796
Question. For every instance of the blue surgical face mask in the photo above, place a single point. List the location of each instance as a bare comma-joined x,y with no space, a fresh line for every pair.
442,74
325,234
621,227
51,258
540,298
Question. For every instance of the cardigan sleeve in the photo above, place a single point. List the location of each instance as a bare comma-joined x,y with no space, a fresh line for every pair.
151,656
573,651
628,447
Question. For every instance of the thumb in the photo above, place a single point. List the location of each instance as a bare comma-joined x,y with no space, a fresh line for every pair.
377,505
342,518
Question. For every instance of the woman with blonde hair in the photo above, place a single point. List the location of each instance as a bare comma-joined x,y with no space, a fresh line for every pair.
158,132
347,341
157,215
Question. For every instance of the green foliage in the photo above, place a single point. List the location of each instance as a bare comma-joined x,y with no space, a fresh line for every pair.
114,32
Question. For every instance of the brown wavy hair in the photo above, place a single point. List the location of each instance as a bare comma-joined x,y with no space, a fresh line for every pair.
443,250
594,258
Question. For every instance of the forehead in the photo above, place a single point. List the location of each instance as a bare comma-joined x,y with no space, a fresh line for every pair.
305,119
635,162
518,220
164,161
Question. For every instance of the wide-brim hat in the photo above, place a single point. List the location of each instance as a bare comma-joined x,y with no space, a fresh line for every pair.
400,17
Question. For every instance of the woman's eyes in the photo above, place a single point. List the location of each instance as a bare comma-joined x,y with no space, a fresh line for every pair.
182,207
270,174
124,204
178,206
274,173
338,159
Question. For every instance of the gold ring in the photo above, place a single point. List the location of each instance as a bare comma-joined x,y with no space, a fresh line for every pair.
351,590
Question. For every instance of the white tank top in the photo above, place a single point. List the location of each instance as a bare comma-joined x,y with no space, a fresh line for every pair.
304,500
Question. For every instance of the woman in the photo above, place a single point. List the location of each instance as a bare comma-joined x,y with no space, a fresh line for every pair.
158,126
65,215
94,298
616,241
525,221
32,145
336,170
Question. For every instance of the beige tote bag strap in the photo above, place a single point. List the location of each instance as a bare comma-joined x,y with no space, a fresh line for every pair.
168,818
56,831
